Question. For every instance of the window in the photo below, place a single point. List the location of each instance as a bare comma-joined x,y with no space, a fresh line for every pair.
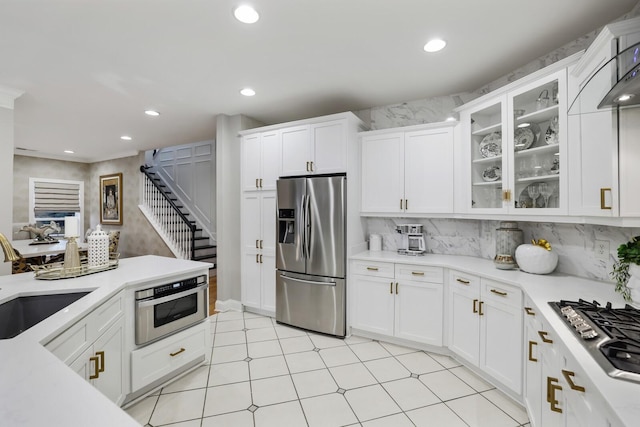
54,199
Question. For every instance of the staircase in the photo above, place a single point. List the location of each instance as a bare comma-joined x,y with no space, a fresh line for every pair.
172,221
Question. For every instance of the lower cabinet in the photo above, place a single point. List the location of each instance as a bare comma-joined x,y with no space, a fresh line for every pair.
485,326
401,300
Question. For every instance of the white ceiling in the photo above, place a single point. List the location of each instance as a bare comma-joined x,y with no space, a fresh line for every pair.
89,68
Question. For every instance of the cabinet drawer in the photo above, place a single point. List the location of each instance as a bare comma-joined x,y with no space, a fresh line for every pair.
156,360
464,281
501,292
373,268
419,273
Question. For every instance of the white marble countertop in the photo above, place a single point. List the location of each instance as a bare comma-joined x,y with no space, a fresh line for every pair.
622,397
36,388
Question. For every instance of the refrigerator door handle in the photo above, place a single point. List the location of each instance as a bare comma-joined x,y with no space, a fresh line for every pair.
307,230
302,228
310,282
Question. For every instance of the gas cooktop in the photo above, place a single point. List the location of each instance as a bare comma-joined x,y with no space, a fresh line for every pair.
611,335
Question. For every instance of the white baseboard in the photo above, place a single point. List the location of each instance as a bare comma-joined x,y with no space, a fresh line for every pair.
228,305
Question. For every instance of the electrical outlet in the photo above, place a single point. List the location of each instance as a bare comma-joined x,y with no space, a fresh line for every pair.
602,249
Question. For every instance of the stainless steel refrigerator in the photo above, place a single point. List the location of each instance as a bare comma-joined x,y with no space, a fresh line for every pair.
311,253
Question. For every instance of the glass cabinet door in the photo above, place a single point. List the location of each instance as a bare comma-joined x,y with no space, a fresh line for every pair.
536,148
487,159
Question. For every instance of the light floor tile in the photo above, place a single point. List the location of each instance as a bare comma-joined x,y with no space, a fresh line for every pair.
505,403
322,341
196,379
232,353
370,351
258,322
239,419
371,402
230,326
287,414
419,363
190,423
354,339
397,420
336,356
435,415
410,393
229,338
228,373
474,381
397,350
352,376
306,361
296,345
177,407
314,383
264,349
288,332
262,334
446,385
446,361
477,411
227,398
141,411
266,367
330,410
249,315
229,315
388,369
273,390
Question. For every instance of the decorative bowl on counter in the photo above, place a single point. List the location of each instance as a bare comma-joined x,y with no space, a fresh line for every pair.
536,259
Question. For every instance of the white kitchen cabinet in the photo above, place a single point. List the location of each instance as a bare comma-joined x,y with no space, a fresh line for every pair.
400,300
260,160
485,326
408,170
258,233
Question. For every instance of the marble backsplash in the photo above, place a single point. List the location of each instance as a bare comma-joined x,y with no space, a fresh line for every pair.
574,243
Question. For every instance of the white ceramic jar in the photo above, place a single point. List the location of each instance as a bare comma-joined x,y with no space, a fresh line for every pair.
536,259
98,248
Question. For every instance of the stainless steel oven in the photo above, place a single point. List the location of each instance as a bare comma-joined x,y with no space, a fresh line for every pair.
164,309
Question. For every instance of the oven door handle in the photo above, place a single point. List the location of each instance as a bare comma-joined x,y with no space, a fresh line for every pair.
154,301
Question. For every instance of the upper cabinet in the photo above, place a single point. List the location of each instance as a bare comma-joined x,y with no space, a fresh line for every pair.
514,143
408,170
260,165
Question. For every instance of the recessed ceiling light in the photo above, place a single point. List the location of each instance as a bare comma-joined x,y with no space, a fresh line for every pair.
151,113
125,138
450,119
69,151
246,14
247,91
625,97
524,125
435,45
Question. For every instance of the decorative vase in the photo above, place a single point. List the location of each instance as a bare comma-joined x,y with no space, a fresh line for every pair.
536,259
98,248
508,238
634,284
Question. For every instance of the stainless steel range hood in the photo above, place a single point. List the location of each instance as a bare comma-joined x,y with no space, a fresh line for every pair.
625,91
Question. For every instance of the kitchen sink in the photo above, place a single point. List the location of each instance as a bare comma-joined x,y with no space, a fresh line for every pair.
19,314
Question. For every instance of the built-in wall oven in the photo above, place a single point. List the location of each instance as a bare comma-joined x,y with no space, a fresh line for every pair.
165,309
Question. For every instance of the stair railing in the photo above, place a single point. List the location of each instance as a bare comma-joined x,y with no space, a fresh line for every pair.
168,217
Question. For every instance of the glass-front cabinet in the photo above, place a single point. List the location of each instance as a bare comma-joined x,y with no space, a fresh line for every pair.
517,149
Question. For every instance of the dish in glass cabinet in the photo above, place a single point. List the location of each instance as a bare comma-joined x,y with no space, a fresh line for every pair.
492,173
523,138
491,145
551,135
525,200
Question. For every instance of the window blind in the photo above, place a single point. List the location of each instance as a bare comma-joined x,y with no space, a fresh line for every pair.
56,197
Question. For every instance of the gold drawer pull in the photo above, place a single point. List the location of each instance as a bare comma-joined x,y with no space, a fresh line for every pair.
531,358
260,182
480,313
257,183
182,350
96,368
475,305
418,273
261,244
372,268
551,394
497,292
543,337
391,288
602,203
464,282
100,354
257,244
396,288
568,375
529,311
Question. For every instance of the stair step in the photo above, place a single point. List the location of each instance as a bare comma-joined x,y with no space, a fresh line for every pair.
201,238
203,257
205,247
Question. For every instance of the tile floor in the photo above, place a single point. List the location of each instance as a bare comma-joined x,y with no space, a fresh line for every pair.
264,374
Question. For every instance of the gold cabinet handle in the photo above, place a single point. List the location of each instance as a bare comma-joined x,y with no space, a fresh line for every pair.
417,273
400,204
551,394
257,244
602,203
480,313
96,369
182,350
529,311
308,167
260,258
257,258
475,305
568,375
543,337
100,354
257,183
261,243
396,288
464,282
372,268
406,204
311,166
391,288
497,292
531,358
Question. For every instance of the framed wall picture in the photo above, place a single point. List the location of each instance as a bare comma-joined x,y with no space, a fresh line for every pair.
111,199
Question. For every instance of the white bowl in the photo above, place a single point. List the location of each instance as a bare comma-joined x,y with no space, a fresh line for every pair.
536,259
